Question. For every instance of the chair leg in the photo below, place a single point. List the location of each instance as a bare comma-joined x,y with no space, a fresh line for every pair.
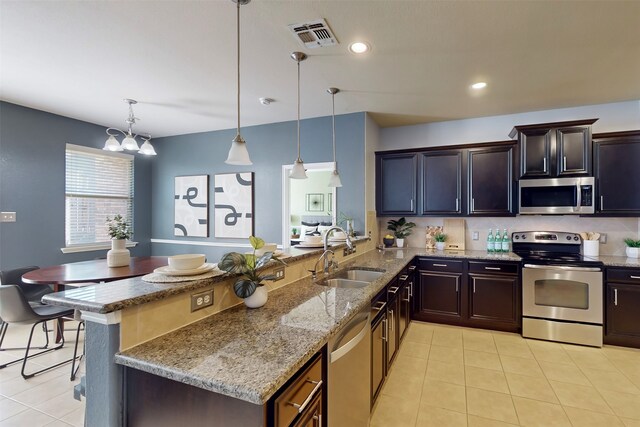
74,368
3,331
26,355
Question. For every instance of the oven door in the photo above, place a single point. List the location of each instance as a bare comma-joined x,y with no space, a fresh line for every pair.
562,292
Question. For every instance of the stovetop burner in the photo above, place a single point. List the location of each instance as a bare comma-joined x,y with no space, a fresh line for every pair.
551,248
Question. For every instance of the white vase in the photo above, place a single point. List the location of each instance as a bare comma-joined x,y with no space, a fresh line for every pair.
440,246
258,298
633,252
119,255
400,242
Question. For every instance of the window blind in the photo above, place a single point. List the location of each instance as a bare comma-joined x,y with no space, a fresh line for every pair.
98,184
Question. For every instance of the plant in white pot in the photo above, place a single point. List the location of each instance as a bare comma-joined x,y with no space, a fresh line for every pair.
249,286
440,238
401,229
119,231
633,248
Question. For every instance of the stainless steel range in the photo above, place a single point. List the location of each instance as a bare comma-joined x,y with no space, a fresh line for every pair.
561,289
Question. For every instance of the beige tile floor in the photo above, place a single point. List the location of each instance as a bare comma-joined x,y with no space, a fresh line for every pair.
449,376
46,399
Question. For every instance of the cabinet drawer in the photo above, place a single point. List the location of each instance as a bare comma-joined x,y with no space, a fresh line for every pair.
625,275
442,264
483,267
303,389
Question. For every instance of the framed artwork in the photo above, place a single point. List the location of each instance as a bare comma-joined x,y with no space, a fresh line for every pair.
191,206
329,202
233,208
315,202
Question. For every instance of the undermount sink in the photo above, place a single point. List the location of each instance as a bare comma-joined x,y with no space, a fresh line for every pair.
345,283
360,275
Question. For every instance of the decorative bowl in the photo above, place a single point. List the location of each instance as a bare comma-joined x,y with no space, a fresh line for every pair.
186,261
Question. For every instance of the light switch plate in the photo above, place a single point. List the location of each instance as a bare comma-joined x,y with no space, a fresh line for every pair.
7,217
475,235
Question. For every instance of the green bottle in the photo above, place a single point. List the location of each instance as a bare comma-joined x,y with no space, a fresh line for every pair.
498,242
506,241
491,242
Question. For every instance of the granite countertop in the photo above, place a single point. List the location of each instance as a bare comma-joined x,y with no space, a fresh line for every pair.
618,261
249,354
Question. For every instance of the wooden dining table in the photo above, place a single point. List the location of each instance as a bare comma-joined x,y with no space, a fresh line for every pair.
95,271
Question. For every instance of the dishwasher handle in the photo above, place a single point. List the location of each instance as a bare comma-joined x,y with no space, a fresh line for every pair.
347,347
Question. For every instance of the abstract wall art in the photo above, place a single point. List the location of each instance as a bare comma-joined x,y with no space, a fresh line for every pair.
315,202
233,215
191,196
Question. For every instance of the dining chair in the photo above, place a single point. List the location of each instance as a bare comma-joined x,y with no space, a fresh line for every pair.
14,308
33,294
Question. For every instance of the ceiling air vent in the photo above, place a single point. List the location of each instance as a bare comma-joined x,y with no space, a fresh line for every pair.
314,34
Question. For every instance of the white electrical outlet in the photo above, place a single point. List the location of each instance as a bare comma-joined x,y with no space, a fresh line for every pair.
603,238
279,273
201,300
7,217
475,235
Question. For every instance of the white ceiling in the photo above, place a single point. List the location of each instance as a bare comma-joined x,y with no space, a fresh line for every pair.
177,58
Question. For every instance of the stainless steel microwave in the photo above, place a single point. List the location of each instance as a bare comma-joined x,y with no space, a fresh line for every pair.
557,196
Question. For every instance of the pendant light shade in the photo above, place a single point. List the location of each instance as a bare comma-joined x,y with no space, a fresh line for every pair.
334,180
298,171
129,143
238,153
112,144
147,149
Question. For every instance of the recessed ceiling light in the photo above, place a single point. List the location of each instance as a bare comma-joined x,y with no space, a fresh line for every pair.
479,85
359,47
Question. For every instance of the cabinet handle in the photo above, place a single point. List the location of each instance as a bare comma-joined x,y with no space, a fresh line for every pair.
439,265
408,298
381,306
493,268
304,405
615,297
601,203
456,287
411,205
473,204
404,277
411,289
412,268
392,321
474,287
457,204
634,277
393,290
564,163
384,331
544,164
318,418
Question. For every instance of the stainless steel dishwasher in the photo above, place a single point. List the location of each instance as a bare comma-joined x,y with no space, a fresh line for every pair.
349,373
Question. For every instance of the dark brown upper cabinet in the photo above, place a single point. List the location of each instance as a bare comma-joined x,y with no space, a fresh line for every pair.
396,184
616,167
442,183
491,183
554,149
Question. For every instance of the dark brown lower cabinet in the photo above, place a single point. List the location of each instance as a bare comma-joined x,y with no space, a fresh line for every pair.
405,306
622,300
393,321
439,296
378,354
493,302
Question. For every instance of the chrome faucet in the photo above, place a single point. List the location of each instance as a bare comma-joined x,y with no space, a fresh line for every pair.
327,263
348,242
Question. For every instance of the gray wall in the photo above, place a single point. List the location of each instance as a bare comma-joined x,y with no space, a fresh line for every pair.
32,181
270,146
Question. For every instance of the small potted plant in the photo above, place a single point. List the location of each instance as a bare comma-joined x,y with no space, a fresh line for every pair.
249,286
387,240
440,238
119,231
294,233
401,229
633,247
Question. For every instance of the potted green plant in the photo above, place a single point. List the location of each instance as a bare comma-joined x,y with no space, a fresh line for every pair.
401,229
633,247
249,286
119,231
440,238
294,233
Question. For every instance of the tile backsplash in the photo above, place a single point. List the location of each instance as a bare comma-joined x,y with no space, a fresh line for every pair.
616,229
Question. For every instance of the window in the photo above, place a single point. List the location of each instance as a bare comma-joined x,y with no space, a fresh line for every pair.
99,184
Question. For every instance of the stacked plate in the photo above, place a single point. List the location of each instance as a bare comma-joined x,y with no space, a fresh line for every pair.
186,265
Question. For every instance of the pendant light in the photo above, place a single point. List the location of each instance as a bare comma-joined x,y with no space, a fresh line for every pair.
298,171
129,142
334,181
238,154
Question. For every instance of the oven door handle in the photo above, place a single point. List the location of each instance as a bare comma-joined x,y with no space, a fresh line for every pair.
561,267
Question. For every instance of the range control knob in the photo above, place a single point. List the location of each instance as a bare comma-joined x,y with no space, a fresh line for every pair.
568,237
576,238
517,237
524,236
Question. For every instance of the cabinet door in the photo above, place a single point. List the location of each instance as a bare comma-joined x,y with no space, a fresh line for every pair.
405,304
396,182
440,294
573,146
493,298
491,181
617,176
622,317
393,317
312,416
535,153
442,183
378,355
